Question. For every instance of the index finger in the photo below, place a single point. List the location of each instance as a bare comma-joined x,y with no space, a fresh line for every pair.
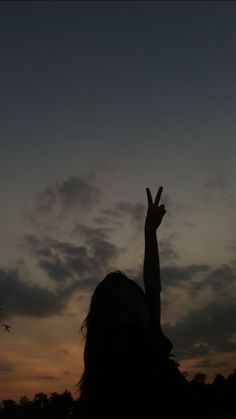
149,197
158,196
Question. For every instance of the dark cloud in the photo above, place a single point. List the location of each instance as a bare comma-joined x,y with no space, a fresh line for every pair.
220,281
103,251
97,241
63,198
64,261
76,192
91,233
55,268
27,299
61,260
211,328
70,266
177,276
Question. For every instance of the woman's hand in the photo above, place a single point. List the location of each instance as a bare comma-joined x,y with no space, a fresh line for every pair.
155,212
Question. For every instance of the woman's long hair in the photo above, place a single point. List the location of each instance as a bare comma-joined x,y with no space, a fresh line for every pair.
97,328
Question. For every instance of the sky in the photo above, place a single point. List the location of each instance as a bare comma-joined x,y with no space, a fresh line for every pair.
99,100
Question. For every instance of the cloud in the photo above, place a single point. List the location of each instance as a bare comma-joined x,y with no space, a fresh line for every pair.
97,240
134,212
91,233
231,245
207,363
209,296
167,251
76,192
60,260
221,281
71,267
63,198
177,276
63,261
103,251
204,331
206,326
27,299
202,298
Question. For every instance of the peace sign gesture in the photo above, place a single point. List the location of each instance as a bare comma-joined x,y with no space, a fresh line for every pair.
155,212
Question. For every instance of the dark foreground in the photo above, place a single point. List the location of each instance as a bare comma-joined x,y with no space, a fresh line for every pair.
210,401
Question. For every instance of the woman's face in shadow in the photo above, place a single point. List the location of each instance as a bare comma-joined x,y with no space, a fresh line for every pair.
128,306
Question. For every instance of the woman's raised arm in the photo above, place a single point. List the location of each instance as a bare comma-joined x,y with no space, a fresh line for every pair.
151,267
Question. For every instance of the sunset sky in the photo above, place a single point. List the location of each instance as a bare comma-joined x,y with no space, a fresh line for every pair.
98,101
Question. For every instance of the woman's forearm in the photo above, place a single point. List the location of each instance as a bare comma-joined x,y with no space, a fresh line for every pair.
151,276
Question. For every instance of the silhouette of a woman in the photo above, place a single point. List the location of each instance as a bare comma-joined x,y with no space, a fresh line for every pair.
128,369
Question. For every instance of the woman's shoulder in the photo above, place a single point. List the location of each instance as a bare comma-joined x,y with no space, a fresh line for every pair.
161,343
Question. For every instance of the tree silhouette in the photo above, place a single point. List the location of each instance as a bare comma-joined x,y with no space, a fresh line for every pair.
41,400
199,379
213,398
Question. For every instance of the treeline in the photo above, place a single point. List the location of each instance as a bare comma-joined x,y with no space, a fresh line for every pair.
217,397
58,406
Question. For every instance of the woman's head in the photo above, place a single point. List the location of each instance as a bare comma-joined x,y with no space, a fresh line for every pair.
118,308
117,301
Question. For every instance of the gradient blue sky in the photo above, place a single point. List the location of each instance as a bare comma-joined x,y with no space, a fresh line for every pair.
99,100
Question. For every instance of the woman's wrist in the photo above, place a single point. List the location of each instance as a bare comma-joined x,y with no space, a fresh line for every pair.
149,231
